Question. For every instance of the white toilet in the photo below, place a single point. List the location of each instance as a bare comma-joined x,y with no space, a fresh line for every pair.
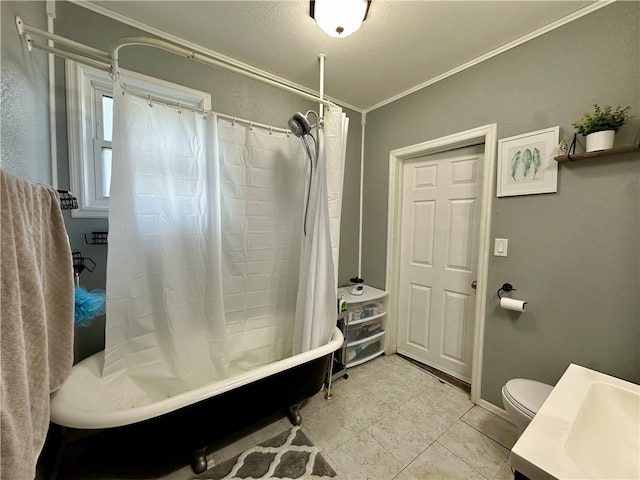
522,399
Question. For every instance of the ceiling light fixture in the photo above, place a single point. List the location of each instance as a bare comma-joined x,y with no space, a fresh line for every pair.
339,18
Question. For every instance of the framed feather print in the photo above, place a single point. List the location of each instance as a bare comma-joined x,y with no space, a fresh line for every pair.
526,165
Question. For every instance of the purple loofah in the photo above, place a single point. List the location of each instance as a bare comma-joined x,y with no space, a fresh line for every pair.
89,305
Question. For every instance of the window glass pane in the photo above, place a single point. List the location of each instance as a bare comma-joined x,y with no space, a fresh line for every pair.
106,171
107,117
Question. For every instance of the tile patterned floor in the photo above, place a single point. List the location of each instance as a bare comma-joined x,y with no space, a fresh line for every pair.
392,420
388,420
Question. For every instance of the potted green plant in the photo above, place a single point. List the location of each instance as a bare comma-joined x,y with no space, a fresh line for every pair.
601,126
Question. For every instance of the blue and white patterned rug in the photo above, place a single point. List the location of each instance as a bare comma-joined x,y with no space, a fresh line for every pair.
290,455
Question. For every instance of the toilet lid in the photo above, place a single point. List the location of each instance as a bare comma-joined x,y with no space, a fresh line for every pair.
527,394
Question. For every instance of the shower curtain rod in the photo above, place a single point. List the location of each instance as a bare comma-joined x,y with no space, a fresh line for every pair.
153,99
110,61
181,106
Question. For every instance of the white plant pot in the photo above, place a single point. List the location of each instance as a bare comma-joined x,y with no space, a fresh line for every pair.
600,140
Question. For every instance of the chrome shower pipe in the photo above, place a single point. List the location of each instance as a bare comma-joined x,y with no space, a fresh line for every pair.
322,57
105,65
85,49
112,57
362,138
201,58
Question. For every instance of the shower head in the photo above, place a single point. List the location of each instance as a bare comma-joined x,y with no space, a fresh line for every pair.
299,125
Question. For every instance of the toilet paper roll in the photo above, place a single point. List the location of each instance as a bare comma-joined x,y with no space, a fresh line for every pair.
513,304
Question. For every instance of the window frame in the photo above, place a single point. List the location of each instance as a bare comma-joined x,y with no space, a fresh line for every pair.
85,87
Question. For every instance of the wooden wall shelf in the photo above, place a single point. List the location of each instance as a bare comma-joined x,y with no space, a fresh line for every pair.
601,153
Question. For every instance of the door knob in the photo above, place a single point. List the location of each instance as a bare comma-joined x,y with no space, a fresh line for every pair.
474,284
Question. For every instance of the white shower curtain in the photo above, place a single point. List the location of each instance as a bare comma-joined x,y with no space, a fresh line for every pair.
263,189
317,293
204,272
165,330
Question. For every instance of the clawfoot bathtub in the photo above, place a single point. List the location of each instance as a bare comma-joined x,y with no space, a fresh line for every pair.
192,420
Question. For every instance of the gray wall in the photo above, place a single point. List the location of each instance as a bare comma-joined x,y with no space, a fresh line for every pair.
574,255
24,116
231,94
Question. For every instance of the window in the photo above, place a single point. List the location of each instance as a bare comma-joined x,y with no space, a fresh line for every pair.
102,141
90,128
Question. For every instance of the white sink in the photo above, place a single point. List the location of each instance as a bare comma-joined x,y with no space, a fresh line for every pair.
607,424
589,427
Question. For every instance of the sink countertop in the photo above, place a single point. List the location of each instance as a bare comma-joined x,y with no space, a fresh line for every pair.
558,443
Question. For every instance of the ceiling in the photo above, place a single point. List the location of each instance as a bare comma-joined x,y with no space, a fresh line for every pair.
401,46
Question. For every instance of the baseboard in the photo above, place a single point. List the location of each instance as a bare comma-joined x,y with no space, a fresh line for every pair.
500,412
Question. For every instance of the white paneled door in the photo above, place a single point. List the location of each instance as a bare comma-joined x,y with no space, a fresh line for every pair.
439,241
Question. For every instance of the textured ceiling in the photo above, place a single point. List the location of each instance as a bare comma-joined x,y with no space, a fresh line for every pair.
401,44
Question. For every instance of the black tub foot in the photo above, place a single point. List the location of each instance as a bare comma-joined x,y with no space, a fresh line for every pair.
199,462
294,414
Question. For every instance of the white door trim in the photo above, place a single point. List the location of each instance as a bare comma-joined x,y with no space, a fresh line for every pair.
486,134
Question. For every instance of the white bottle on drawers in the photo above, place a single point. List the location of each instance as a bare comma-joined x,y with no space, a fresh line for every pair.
364,325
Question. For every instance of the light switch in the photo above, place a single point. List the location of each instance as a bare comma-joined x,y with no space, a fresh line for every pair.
500,247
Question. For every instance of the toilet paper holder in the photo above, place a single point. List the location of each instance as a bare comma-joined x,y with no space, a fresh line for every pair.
507,287
509,303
